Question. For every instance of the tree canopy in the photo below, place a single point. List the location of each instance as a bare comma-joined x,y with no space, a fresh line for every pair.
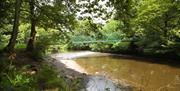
142,25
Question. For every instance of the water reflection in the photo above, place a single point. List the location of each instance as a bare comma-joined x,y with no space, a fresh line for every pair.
146,76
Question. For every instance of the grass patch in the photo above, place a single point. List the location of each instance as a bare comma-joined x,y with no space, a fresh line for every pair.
20,46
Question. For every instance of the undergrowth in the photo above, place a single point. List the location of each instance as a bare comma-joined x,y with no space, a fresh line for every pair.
29,77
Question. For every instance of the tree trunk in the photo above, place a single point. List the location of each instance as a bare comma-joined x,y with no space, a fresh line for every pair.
14,34
30,45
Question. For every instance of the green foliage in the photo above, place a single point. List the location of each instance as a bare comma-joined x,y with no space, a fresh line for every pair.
120,46
48,78
109,32
5,34
6,11
20,78
47,40
158,19
95,10
113,30
86,28
147,25
112,26
20,46
142,27
57,15
23,33
15,79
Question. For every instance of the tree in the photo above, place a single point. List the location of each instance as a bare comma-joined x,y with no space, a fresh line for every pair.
97,10
11,44
112,30
6,18
30,45
49,14
157,18
87,28
124,12
6,12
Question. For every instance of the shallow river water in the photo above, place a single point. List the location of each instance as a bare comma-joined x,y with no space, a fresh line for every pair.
142,74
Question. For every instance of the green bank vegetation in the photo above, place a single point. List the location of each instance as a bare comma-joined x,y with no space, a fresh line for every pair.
142,27
20,72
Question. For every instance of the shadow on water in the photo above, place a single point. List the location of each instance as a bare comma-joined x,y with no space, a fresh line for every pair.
145,75
168,62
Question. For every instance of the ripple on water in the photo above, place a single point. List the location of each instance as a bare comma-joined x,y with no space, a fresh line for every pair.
101,83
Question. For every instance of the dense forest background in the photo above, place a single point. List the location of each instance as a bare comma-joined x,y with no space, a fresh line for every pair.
138,26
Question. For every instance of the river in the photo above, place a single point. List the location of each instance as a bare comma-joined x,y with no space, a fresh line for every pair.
141,73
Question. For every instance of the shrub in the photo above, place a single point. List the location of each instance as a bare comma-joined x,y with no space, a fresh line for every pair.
104,47
121,46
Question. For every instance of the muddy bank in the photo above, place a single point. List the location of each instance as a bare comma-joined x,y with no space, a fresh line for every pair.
65,63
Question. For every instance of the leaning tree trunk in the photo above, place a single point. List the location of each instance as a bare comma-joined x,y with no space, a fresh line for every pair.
30,45
14,34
